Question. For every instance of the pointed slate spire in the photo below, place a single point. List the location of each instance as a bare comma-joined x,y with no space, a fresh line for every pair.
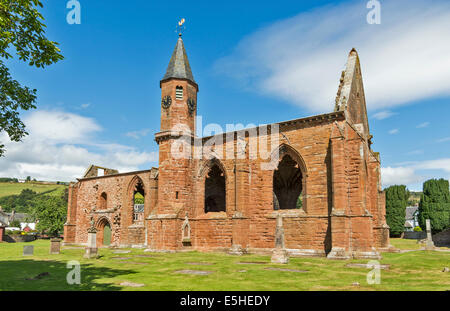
179,65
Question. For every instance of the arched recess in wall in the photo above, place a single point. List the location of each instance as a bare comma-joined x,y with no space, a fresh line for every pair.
104,231
137,197
103,201
213,176
289,180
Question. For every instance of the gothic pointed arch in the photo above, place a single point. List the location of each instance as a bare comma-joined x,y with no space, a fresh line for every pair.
289,179
101,221
137,196
104,231
213,175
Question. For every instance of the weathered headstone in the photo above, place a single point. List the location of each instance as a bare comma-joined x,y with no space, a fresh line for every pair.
286,270
279,254
430,244
28,250
91,248
55,246
195,272
132,284
121,252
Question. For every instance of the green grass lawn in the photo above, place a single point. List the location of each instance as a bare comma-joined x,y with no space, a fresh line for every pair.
406,244
15,188
418,270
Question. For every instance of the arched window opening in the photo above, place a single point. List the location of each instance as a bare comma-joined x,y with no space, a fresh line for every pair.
215,190
287,185
138,203
103,201
179,92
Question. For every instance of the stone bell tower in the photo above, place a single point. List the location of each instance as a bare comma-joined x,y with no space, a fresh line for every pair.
178,113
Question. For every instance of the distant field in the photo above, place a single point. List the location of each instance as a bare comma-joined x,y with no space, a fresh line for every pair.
15,188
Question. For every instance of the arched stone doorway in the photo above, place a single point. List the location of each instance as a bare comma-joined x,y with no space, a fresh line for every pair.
104,233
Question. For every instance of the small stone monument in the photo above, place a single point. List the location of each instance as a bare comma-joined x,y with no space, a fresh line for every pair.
91,248
28,250
55,246
279,255
429,245
186,232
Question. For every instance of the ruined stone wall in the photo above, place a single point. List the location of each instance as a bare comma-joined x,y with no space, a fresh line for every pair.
249,219
342,203
118,212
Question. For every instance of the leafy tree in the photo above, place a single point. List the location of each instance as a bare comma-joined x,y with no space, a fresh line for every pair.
300,201
396,202
22,31
50,212
20,202
15,223
435,205
8,179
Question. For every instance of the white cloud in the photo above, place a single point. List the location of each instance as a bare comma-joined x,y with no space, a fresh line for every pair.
415,172
381,115
393,131
439,164
137,134
443,140
59,145
60,127
300,59
84,106
423,125
398,176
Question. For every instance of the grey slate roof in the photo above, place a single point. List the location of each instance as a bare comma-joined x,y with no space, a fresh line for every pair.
22,217
410,210
179,64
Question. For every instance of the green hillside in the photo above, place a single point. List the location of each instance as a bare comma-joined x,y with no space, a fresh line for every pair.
15,188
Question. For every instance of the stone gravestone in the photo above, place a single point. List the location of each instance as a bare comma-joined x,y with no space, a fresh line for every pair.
28,250
55,246
279,254
430,244
91,248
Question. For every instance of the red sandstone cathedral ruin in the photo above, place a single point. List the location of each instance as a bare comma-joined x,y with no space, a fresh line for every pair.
321,176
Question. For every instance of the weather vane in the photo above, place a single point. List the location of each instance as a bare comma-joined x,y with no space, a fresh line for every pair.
181,27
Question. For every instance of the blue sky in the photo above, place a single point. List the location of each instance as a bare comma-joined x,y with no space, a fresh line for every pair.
255,62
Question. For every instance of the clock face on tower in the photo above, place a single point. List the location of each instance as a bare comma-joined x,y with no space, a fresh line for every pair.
166,101
191,105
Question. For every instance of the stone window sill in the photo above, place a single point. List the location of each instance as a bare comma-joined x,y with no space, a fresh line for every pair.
287,213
